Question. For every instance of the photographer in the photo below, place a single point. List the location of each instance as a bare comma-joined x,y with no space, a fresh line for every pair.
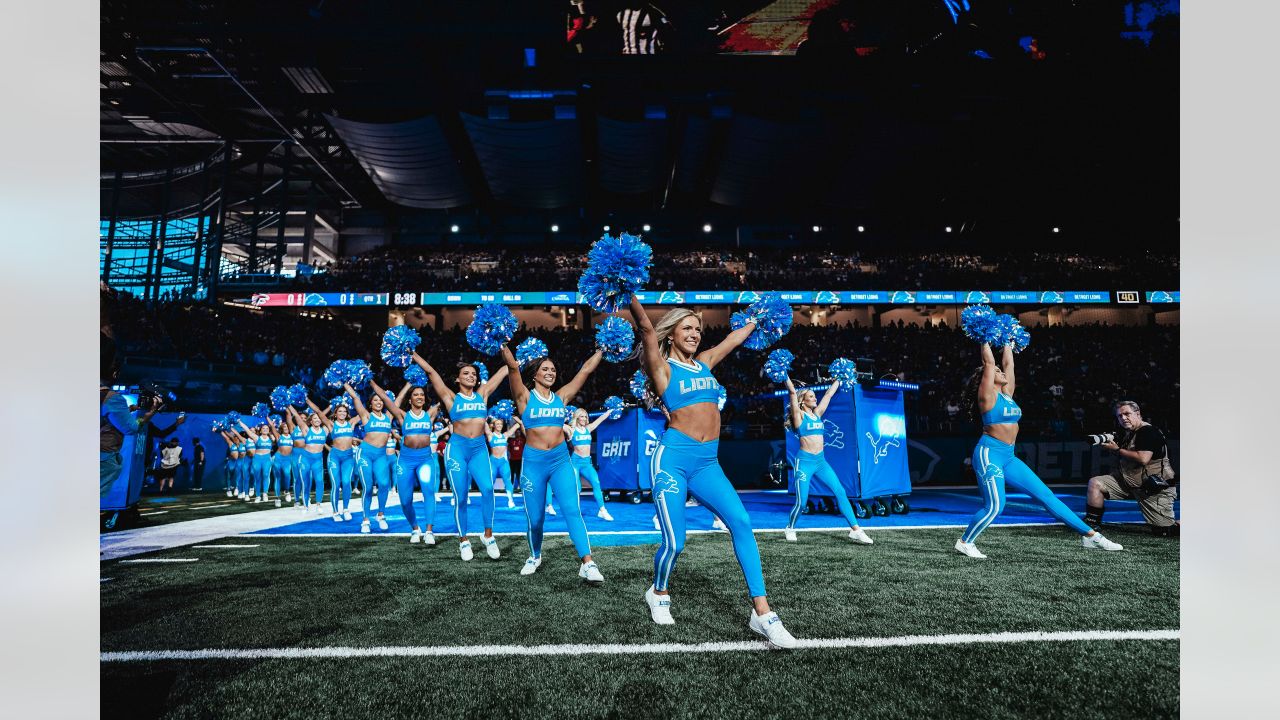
1145,473
116,419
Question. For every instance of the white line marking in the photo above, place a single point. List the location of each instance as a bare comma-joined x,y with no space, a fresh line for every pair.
102,580
561,533
201,547
627,649
158,512
210,507
160,560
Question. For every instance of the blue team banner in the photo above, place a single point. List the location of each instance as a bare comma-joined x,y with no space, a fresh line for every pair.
840,448
1013,296
624,449
938,296
881,435
864,296
1088,296
721,297
1164,296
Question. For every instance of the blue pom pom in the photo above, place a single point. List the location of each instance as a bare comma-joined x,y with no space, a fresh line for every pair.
503,410
398,345
530,350
491,328
1010,332
279,397
773,320
358,373
615,338
639,383
617,267
261,411
340,401
275,420
979,322
335,374
569,410
233,420
722,399
298,395
482,372
778,366
844,370
415,375
613,405
218,426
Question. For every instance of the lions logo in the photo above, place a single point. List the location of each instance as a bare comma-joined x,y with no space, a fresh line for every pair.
664,483
1051,296
903,296
453,466
314,299
977,296
1160,296
671,297
882,445
746,297
527,485
832,435
827,297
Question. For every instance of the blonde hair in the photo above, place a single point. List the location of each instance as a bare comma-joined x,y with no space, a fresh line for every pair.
584,414
667,325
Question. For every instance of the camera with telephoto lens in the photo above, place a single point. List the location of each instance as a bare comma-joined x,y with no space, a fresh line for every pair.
1102,438
151,395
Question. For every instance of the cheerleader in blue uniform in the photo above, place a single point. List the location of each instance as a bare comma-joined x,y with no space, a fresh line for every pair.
498,436
282,461
545,462
416,464
995,464
578,432
466,457
373,466
342,460
686,460
298,438
231,468
260,445
311,464
811,464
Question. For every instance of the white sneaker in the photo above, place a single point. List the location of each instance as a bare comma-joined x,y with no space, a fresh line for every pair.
364,526
491,547
319,510
656,525
604,515
659,607
231,493
251,491
789,534
590,573
346,515
260,499
718,525
691,501
465,549
860,536
382,523
770,626
531,566
288,497
550,510
415,537
429,538
277,502
337,517
969,549
1097,542
511,504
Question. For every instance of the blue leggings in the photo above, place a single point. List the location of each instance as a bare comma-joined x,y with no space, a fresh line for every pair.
543,468
995,464
311,470
282,468
416,468
374,469
467,459
813,466
261,470
584,468
681,466
502,469
229,473
342,465
242,474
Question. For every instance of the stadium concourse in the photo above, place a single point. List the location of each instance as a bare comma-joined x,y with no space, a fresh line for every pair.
375,257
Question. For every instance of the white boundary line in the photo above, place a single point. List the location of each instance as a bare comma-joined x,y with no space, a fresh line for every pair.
554,533
627,649
161,560
202,547
155,512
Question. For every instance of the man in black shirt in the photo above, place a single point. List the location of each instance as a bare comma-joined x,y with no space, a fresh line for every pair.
1145,473
197,465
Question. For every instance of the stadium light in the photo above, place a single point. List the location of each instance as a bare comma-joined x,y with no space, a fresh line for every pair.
647,228
453,228
817,228
1056,230
706,228
861,229
606,228
555,228
948,228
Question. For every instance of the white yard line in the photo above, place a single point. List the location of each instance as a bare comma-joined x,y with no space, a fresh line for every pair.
628,649
202,547
162,560
135,541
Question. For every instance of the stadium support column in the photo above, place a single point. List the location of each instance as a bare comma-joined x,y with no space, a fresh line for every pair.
213,265
204,210
111,227
281,247
154,273
309,230
257,219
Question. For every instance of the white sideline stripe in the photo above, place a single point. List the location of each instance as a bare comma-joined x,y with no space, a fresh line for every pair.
202,547
627,649
210,507
554,533
160,560
102,580
157,512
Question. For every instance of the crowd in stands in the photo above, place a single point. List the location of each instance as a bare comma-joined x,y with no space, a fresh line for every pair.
1067,379
396,269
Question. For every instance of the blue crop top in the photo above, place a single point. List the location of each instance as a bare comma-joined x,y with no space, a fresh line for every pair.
689,385
543,413
580,437
416,424
465,408
298,433
243,447
391,442
263,442
1004,412
378,424
343,430
316,435
498,440
811,425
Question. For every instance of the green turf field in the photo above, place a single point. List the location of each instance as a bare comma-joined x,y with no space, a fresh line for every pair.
368,592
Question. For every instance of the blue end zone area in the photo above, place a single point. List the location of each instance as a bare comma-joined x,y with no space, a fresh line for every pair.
633,524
